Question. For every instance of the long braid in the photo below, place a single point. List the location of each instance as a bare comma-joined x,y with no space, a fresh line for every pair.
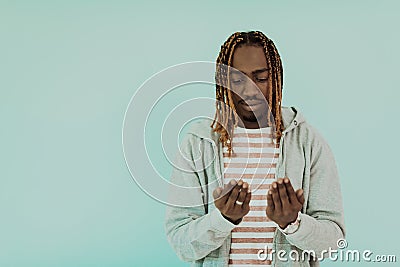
270,89
278,89
226,118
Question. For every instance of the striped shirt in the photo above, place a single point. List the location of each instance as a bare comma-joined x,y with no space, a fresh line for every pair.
254,161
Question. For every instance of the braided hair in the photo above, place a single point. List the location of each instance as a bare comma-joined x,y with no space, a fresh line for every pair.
225,118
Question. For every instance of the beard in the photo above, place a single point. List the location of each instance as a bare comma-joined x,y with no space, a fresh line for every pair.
257,118
250,118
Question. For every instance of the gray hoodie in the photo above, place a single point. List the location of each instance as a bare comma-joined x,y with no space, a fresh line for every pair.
199,234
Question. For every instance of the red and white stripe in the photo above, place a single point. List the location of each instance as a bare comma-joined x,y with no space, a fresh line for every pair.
254,161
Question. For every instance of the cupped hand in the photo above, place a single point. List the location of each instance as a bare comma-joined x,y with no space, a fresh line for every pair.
283,202
233,200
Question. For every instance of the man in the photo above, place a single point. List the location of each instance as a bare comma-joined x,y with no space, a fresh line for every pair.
250,212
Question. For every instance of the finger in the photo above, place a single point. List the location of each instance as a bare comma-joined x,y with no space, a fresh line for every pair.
230,203
275,196
270,201
225,192
228,188
246,202
290,191
243,193
300,196
282,194
217,192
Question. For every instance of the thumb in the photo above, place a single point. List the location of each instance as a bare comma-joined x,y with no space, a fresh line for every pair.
300,196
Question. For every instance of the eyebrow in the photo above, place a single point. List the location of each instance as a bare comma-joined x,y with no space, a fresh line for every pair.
253,72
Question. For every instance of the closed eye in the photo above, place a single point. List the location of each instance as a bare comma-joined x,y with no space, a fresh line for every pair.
238,81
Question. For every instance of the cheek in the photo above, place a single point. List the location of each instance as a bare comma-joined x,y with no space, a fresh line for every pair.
235,91
235,98
264,89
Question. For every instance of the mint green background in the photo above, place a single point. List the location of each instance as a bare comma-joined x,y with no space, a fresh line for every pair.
69,69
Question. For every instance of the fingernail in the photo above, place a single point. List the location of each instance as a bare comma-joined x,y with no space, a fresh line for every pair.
274,185
245,185
233,182
270,192
280,181
240,182
286,180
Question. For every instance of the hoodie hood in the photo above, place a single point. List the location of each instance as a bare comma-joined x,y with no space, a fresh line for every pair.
291,119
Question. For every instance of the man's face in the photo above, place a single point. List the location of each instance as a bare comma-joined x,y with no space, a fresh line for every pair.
250,85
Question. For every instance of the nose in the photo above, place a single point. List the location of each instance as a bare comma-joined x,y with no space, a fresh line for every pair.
250,90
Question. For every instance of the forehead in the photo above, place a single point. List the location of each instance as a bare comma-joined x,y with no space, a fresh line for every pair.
249,58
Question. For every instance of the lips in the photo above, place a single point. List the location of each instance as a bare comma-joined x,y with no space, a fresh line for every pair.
251,105
251,102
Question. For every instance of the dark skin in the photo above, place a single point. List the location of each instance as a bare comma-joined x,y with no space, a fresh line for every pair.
283,203
249,85
249,93
225,200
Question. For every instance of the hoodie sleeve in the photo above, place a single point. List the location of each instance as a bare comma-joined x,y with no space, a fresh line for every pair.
322,224
191,232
